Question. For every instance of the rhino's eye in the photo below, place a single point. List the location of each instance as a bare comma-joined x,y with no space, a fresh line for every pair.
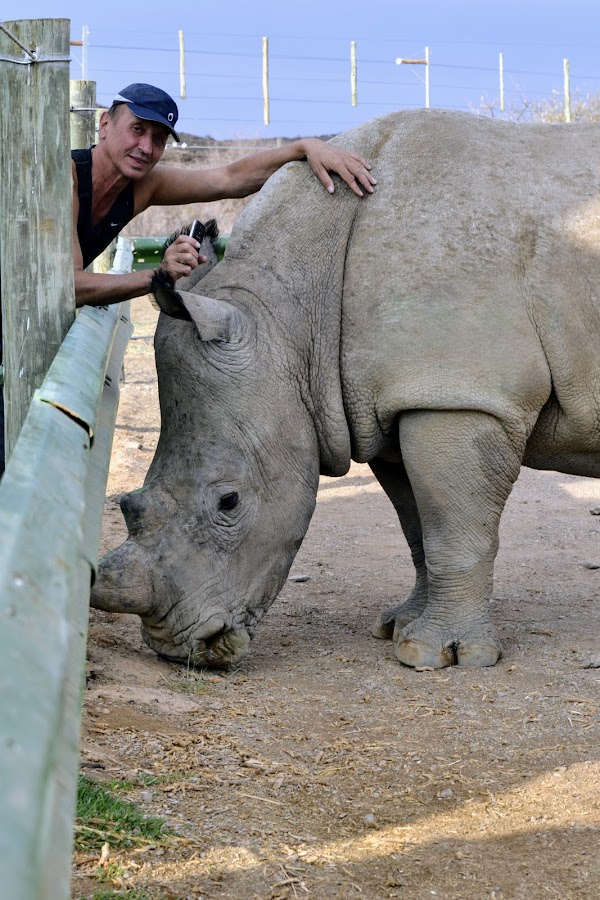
229,501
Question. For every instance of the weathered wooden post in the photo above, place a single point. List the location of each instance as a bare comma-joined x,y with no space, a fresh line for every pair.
83,113
36,253
84,128
83,134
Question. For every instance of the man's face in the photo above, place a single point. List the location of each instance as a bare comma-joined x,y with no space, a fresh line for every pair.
134,145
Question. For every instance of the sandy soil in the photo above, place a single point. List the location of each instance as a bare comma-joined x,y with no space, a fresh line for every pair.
323,768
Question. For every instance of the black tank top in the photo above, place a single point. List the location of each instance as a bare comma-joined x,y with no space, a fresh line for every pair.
93,239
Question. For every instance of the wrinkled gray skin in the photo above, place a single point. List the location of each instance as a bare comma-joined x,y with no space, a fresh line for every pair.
444,330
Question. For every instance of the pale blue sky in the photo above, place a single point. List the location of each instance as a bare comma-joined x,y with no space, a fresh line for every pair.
309,47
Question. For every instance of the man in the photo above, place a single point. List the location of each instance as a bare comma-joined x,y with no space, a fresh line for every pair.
120,177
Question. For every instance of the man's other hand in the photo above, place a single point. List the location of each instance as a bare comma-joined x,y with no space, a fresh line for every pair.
325,158
181,257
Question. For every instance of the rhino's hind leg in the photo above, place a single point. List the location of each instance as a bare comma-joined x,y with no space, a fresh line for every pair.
462,466
394,480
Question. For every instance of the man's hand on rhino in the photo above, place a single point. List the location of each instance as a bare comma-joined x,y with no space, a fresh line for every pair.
354,170
181,257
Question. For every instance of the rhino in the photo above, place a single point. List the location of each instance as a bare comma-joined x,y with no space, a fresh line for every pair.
443,330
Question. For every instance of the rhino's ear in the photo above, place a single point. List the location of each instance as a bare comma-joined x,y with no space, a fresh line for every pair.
214,319
169,301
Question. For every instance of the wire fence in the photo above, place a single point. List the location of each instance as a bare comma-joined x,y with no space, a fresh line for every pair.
220,78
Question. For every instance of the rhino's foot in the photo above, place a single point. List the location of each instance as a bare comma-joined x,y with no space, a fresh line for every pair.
423,643
391,621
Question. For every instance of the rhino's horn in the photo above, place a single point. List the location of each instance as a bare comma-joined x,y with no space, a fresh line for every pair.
124,582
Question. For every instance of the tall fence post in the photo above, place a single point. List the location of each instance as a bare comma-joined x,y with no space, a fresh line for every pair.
36,252
567,90
182,91
82,121
265,80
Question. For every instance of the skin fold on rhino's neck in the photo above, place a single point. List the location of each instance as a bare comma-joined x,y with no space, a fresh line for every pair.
288,252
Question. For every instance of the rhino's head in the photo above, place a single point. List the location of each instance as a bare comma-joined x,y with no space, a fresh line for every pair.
230,492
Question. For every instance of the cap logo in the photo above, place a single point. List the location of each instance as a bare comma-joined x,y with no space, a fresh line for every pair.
170,117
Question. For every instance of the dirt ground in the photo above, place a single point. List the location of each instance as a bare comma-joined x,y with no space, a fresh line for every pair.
322,767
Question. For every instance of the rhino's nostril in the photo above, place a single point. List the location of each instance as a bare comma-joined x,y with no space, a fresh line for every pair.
214,638
212,628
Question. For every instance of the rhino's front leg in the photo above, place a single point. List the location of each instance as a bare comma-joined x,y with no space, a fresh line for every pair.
462,466
394,480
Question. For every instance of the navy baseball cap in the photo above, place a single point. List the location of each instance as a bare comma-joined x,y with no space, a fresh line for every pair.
148,102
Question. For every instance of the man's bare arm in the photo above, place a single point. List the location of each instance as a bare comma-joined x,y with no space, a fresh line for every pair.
169,185
97,289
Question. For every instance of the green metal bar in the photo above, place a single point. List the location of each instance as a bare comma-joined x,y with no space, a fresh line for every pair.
221,245
147,251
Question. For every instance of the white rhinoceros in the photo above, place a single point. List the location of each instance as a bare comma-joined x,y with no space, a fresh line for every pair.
445,330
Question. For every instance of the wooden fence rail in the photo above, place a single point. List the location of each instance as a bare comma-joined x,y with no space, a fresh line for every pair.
61,384
51,504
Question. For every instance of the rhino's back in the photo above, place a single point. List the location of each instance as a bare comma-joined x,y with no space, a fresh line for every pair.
472,273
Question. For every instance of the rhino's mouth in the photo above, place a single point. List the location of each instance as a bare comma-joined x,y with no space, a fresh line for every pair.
217,642
223,650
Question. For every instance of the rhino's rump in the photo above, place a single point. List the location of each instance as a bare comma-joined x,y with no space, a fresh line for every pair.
471,277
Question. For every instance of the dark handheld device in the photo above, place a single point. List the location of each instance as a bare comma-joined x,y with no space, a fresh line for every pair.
197,230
